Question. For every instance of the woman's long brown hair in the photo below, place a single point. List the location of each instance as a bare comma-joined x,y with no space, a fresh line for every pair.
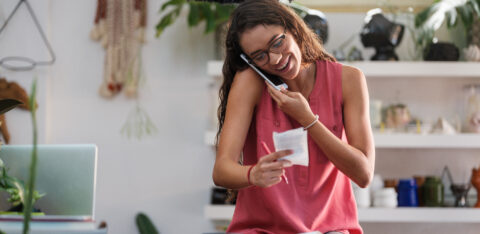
246,16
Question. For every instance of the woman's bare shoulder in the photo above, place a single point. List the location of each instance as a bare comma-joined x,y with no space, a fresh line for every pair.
248,85
349,73
353,82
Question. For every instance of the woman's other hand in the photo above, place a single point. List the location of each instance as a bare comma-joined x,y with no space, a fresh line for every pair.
293,104
269,170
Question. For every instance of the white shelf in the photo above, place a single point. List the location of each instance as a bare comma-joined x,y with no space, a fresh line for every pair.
386,69
209,138
449,70
386,215
419,215
426,141
384,140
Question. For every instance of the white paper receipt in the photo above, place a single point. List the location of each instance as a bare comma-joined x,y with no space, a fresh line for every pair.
296,140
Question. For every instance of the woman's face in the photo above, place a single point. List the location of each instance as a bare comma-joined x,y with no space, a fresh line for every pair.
266,47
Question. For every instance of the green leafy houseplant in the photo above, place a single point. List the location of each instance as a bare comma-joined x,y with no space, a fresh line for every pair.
430,19
214,14
15,189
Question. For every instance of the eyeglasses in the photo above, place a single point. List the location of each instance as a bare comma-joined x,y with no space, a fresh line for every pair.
277,46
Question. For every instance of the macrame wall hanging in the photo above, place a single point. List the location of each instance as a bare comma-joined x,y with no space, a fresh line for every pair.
120,27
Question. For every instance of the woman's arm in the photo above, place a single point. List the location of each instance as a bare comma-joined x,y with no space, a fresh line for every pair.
356,159
244,95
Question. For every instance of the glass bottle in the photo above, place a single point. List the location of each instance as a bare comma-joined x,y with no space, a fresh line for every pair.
472,109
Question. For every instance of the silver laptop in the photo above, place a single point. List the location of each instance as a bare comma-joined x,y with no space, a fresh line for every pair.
65,173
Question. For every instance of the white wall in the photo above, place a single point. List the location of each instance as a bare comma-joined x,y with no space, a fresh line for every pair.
167,176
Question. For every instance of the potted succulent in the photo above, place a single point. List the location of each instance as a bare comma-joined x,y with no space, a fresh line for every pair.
451,11
16,191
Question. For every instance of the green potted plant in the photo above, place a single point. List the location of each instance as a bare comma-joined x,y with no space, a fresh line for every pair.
215,16
16,191
467,11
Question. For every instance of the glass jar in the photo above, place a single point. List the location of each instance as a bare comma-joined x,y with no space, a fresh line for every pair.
433,193
407,192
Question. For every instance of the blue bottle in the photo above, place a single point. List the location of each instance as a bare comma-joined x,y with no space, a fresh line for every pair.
407,193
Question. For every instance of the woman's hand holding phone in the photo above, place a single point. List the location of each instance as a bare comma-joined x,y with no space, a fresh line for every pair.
269,170
293,104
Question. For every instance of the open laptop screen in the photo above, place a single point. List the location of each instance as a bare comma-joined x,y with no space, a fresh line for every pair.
65,173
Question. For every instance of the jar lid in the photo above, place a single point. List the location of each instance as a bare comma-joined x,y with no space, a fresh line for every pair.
432,179
407,183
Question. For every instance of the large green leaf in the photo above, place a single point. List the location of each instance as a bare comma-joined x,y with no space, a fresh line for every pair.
223,12
422,17
451,18
434,16
194,14
169,18
466,14
476,6
172,3
209,17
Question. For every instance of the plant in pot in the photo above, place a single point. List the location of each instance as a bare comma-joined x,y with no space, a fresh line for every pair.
214,14
15,188
467,11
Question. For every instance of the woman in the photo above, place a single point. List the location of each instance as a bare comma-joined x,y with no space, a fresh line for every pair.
318,197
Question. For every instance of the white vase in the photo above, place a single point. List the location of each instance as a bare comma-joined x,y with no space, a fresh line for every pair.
472,53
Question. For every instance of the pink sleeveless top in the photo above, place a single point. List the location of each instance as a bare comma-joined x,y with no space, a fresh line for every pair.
318,197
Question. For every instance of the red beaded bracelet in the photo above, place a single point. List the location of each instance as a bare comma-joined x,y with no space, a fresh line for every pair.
248,174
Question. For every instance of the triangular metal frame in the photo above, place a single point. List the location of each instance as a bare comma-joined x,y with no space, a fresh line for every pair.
31,63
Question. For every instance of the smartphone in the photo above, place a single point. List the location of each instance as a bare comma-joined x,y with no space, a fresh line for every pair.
274,81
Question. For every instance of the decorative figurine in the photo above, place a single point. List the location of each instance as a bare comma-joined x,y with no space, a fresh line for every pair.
397,116
460,191
472,53
382,34
476,184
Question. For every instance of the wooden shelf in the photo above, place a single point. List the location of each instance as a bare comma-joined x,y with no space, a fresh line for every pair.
378,215
450,70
